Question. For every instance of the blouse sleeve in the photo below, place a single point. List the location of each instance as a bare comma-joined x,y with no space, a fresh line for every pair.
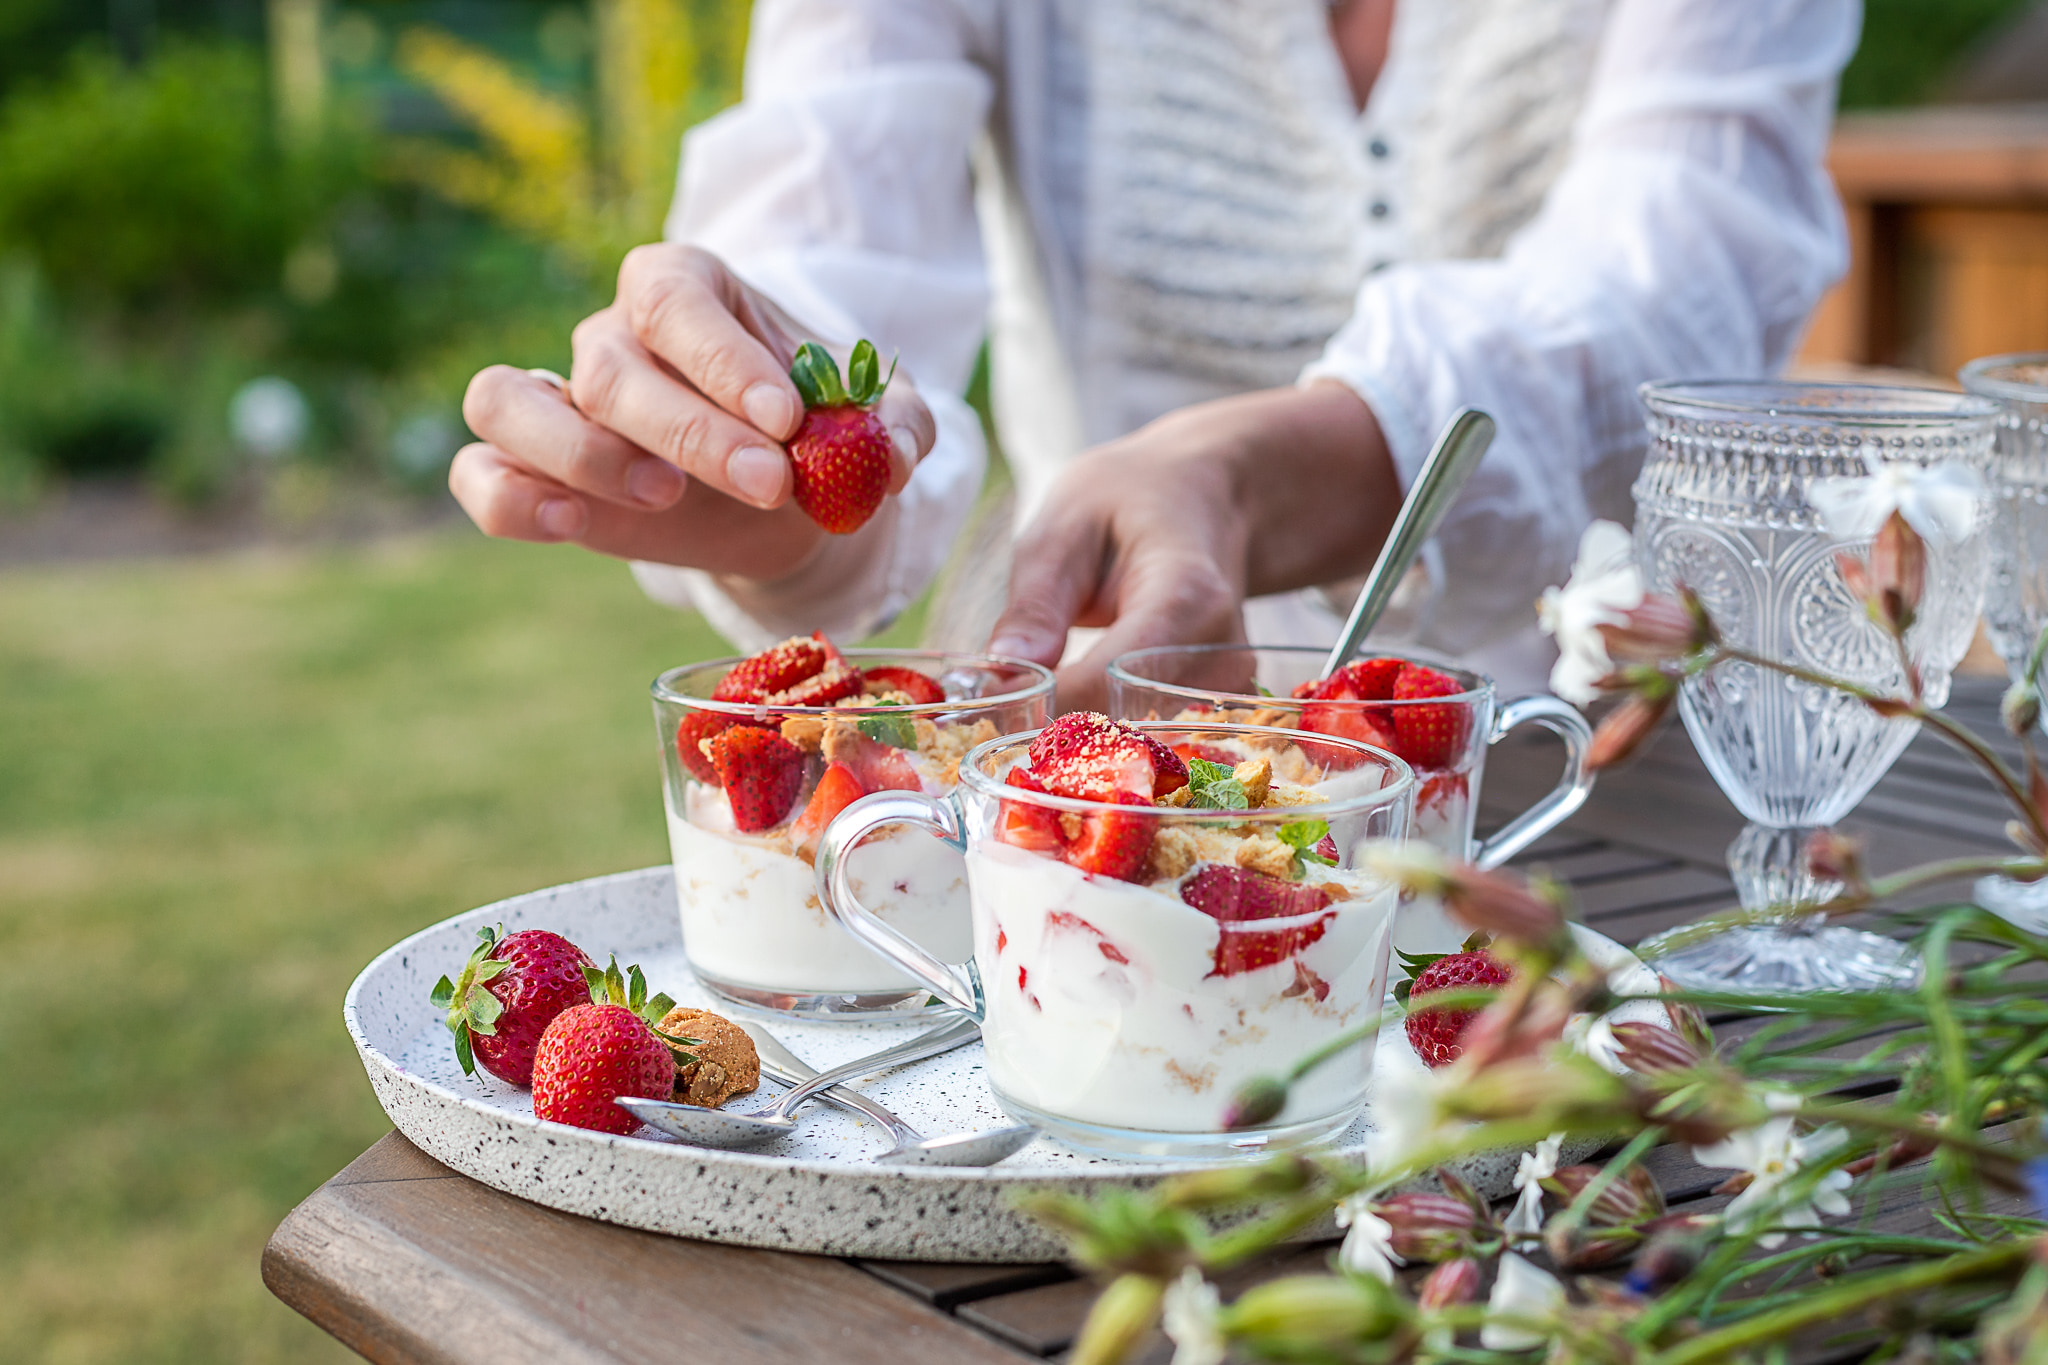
840,188
1690,235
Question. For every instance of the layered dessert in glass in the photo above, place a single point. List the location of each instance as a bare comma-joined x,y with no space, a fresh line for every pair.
760,753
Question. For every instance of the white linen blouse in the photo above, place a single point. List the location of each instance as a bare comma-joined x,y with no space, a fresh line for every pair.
1147,203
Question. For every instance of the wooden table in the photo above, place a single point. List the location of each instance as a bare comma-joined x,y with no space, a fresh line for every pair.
404,1260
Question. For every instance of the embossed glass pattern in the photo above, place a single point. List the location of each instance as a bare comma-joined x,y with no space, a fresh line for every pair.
1721,507
2016,595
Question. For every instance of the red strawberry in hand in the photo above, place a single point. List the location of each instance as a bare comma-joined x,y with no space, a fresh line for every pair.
761,772
919,687
604,1048
1436,1035
841,452
510,990
1430,736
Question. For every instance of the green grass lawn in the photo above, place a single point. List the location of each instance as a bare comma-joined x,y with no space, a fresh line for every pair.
224,786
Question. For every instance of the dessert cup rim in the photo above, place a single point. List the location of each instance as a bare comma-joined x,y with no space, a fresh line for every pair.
971,775
1042,685
1117,670
1977,378
1777,399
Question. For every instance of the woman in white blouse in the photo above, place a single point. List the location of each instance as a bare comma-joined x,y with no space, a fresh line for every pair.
1236,260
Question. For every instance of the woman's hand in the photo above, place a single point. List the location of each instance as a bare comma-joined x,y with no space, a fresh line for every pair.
1160,536
667,444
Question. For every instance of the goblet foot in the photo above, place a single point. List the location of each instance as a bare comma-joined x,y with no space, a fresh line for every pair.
1773,959
2024,904
1802,953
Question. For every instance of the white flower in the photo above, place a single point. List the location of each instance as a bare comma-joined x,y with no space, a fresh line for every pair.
1192,1317
1525,1295
1538,1165
1773,1153
1369,1245
1404,1118
1593,1034
1605,585
1940,502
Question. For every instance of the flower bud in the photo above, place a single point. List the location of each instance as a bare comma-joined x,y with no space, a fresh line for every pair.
1504,906
1687,1020
1834,857
1652,1050
1579,1247
1117,1325
1450,1284
1892,580
1630,1199
1427,1227
1259,1100
1655,630
2020,707
1304,1313
1226,1185
1671,1255
1624,729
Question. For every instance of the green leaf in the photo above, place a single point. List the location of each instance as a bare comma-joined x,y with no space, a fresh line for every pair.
636,994
1211,786
594,979
491,968
1302,836
444,994
463,1053
816,376
863,373
898,732
482,1010
657,1009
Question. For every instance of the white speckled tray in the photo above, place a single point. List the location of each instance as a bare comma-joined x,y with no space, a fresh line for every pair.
812,1191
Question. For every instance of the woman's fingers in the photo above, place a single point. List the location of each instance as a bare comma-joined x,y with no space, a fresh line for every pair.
687,308
912,430
525,415
507,499
1052,577
618,383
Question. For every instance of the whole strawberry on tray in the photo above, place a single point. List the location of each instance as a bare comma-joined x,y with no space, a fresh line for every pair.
507,994
604,1048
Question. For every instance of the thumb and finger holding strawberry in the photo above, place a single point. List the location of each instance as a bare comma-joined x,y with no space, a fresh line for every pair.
535,1011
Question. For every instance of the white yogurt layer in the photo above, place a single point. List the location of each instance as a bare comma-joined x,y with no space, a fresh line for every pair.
1102,1007
751,915
1443,820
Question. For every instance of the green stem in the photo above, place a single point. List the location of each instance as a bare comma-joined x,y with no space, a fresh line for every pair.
1839,1300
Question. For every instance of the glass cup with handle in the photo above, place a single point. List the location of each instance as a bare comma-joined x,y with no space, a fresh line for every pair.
1443,738
1136,963
752,926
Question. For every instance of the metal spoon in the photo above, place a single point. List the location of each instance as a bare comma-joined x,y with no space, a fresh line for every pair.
1456,454
718,1128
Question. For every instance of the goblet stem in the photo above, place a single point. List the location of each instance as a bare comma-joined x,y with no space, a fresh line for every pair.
1804,952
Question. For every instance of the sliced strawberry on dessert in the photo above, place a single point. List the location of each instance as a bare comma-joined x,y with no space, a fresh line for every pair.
1025,824
841,453
880,767
1086,755
691,733
761,772
1112,843
837,789
1208,753
1169,769
1067,922
1364,725
775,669
1237,895
920,688
606,1047
1366,680
510,990
1437,1034
834,682
1430,736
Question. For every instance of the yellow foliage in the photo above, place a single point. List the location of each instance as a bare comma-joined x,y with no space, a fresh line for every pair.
661,65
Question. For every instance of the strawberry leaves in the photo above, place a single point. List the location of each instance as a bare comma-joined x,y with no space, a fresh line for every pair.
816,376
611,987
469,1006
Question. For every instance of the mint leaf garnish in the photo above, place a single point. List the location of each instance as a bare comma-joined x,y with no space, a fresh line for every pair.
1302,836
898,732
1215,787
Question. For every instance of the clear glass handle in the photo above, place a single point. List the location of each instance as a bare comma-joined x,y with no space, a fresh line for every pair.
835,887
1562,719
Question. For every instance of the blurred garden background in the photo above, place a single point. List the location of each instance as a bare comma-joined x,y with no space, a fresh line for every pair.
250,253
